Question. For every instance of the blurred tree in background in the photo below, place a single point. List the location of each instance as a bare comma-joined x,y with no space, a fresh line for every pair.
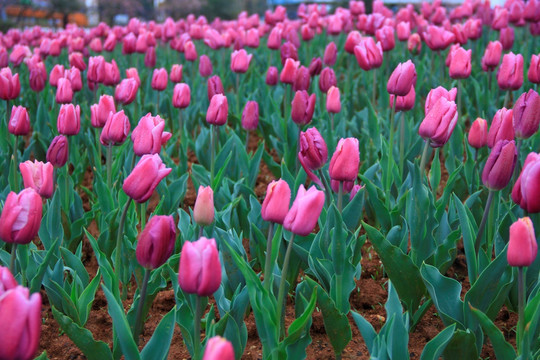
66,7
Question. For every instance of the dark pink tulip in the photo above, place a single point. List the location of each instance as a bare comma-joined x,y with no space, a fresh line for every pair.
38,176
19,122
10,87
20,323
501,127
313,152
200,267
58,152
439,122
18,54
353,39
385,36
435,94
74,76
7,281
21,218
181,96
333,101
250,115
150,57
205,66
478,133
330,54
307,33
155,244
132,73
531,13
305,210
203,211
96,70
327,79
112,74
402,79
302,79
100,112
214,87
76,59
288,50
271,76
116,129
500,165
345,161
276,203
522,246
148,136
404,103
126,91
414,44
460,65
437,38
176,73
218,348
368,54
510,75
252,38
492,56
159,79
357,7
64,92
129,43
274,39
500,18
525,192
526,114
315,67
218,110
303,106
288,73
69,119
347,186
110,43
4,57
37,77
190,51
534,69
145,177
507,38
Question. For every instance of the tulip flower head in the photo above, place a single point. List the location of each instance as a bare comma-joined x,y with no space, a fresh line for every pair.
522,246
240,61
145,177
526,190
402,79
500,165
218,110
116,129
156,242
345,161
250,115
305,210
159,79
148,136
203,211
58,152
303,107
276,203
526,114
502,127
181,96
200,268
38,176
439,122
19,123
21,217
218,348
478,134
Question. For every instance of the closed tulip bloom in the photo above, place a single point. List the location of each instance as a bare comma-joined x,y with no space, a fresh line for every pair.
510,75
414,44
181,96
500,164
100,112
19,122
500,18
58,152
526,190
20,323
534,69
214,87
327,79
76,59
252,38
315,66
150,57
274,38
64,92
345,161
330,54
112,74
7,281
272,76
313,152
132,73
190,51
218,348
437,38
110,43
148,136
176,73
385,36
404,103
478,133
403,30
522,246
303,106
507,38
126,91
439,122
435,94
69,119
492,56
145,177
200,268
21,217
402,79
155,244
501,127
333,102
38,176
240,61
56,74
203,211
37,79
129,43
305,210
288,73
526,114
96,69
18,54
205,66
460,65
116,129
276,203
159,79
74,76
368,54
250,115
218,111
353,38
302,79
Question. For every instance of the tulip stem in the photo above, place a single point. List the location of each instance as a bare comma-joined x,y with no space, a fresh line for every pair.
328,196
374,88
482,226
332,122
521,308
119,236
459,90
201,231
267,262
143,215
340,197
388,181
517,168
157,103
401,142
212,154
424,158
197,328
109,165
142,299
247,142
13,256
281,299
15,162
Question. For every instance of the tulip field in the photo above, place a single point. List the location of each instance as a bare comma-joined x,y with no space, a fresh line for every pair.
343,183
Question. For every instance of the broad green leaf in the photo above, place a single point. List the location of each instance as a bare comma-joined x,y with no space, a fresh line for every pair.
435,347
158,346
503,350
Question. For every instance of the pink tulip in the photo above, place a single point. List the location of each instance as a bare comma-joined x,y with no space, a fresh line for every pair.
126,91
271,76
492,56
510,75
525,192
439,122
181,96
148,136
478,134
112,74
313,152
305,210
218,348
132,73
10,87
159,79
276,203
327,79
438,38
414,44
7,281
205,66
288,73
250,115
240,61
345,161
403,30
385,36
404,103
522,246
19,123
218,110
150,57
200,268
460,65
100,112
500,165
96,70
214,87
526,114
145,177
38,176
190,51
333,102
402,79
129,43
368,54
21,218
116,129
315,66
500,18
502,127
176,73
155,244
58,152
353,39
203,211
302,79
435,94
69,119
303,107
330,54
534,69
64,92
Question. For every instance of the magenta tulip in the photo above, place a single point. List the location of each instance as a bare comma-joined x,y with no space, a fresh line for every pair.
200,268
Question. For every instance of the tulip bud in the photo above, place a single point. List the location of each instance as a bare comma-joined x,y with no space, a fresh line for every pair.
250,115
218,348
404,103
355,189
276,203
333,102
435,94
218,110
534,69
303,106
501,127
439,122
214,87
305,210
148,135
414,44
385,36
132,73
181,96
126,91
58,152
492,56
38,176
313,152
506,38
112,74
190,51
271,76
176,73
345,161
368,54
526,114
460,65
150,57
500,164
56,74
205,66
203,211
402,79
37,78
288,51
76,60
403,30
21,217
525,190
116,129
478,134
200,269
522,247
159,79
145,177
156,242
289,71
330,54
510,75
315,67
100,112
240,61
64,92
20,323
69,119
19,123
302,79
7,281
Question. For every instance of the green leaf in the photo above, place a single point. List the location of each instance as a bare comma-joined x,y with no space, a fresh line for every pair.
158,346
366,330
503,350
435,347
468,239
462,346
35,283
